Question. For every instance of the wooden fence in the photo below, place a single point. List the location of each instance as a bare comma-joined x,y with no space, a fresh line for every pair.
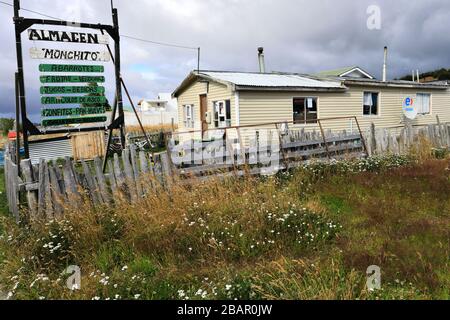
399,140
45,189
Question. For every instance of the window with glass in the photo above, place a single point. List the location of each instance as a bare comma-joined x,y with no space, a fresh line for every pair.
305,110
370,104
423,102
222,114
188,111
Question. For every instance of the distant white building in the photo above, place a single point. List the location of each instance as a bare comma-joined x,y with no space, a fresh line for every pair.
164,103
159,111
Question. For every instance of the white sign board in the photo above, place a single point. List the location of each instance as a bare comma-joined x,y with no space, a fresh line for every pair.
63,36
77,55
409,108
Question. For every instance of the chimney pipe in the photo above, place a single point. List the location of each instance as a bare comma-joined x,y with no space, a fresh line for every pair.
262,64
385,64
413,76
418,76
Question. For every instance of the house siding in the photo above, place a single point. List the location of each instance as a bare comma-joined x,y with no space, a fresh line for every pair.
214,92
266,107
257,107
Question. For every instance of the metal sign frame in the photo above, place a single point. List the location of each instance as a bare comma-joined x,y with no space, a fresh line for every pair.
28,128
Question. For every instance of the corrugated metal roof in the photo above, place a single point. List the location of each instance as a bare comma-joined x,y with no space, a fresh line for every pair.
50,150
397,83
274,80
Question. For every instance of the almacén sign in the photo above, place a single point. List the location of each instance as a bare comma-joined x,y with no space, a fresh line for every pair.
70,68
74,100
70,112
62,122
71,90
71,79
63,36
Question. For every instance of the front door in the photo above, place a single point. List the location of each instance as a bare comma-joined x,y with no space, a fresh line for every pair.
203,111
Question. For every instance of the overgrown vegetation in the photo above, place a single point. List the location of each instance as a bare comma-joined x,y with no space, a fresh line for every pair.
439,74
306,234
6,124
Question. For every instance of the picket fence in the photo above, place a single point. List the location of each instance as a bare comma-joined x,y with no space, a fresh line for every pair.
47,188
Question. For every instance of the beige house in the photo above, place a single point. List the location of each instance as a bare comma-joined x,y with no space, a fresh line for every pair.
216,100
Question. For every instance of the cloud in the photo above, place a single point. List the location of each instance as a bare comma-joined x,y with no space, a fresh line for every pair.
298,36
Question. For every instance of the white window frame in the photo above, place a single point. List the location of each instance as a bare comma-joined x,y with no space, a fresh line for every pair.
420,107
188,116
378,104
227,121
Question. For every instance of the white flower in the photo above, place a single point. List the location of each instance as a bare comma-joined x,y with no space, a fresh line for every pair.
199,292
137,296
181,293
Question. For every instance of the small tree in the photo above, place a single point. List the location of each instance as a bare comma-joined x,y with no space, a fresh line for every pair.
6,125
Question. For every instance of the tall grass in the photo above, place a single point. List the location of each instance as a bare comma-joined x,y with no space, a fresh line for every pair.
305,234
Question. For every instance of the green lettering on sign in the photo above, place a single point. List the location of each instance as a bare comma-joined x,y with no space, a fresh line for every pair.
70,112
62,122
70,68
73,100
71,90
65,79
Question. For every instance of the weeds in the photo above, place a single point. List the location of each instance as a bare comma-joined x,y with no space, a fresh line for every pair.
305,234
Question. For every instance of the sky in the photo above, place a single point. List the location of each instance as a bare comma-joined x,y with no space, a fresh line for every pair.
303,36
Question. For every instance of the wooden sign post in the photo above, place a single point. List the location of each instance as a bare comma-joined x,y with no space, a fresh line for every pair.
95,94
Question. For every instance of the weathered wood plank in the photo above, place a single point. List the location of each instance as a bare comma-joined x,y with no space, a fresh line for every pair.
91,183
41,192
70,181
128,169
134,165
14,183
112,178
56,193
101,180
49,210
120,178
27,171
143,163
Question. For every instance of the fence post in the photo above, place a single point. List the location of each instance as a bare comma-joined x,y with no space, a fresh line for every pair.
12,184
98,164
324,139
129,173
27,170
362,137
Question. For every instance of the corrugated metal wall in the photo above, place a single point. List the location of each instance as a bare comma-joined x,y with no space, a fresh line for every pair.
50,150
